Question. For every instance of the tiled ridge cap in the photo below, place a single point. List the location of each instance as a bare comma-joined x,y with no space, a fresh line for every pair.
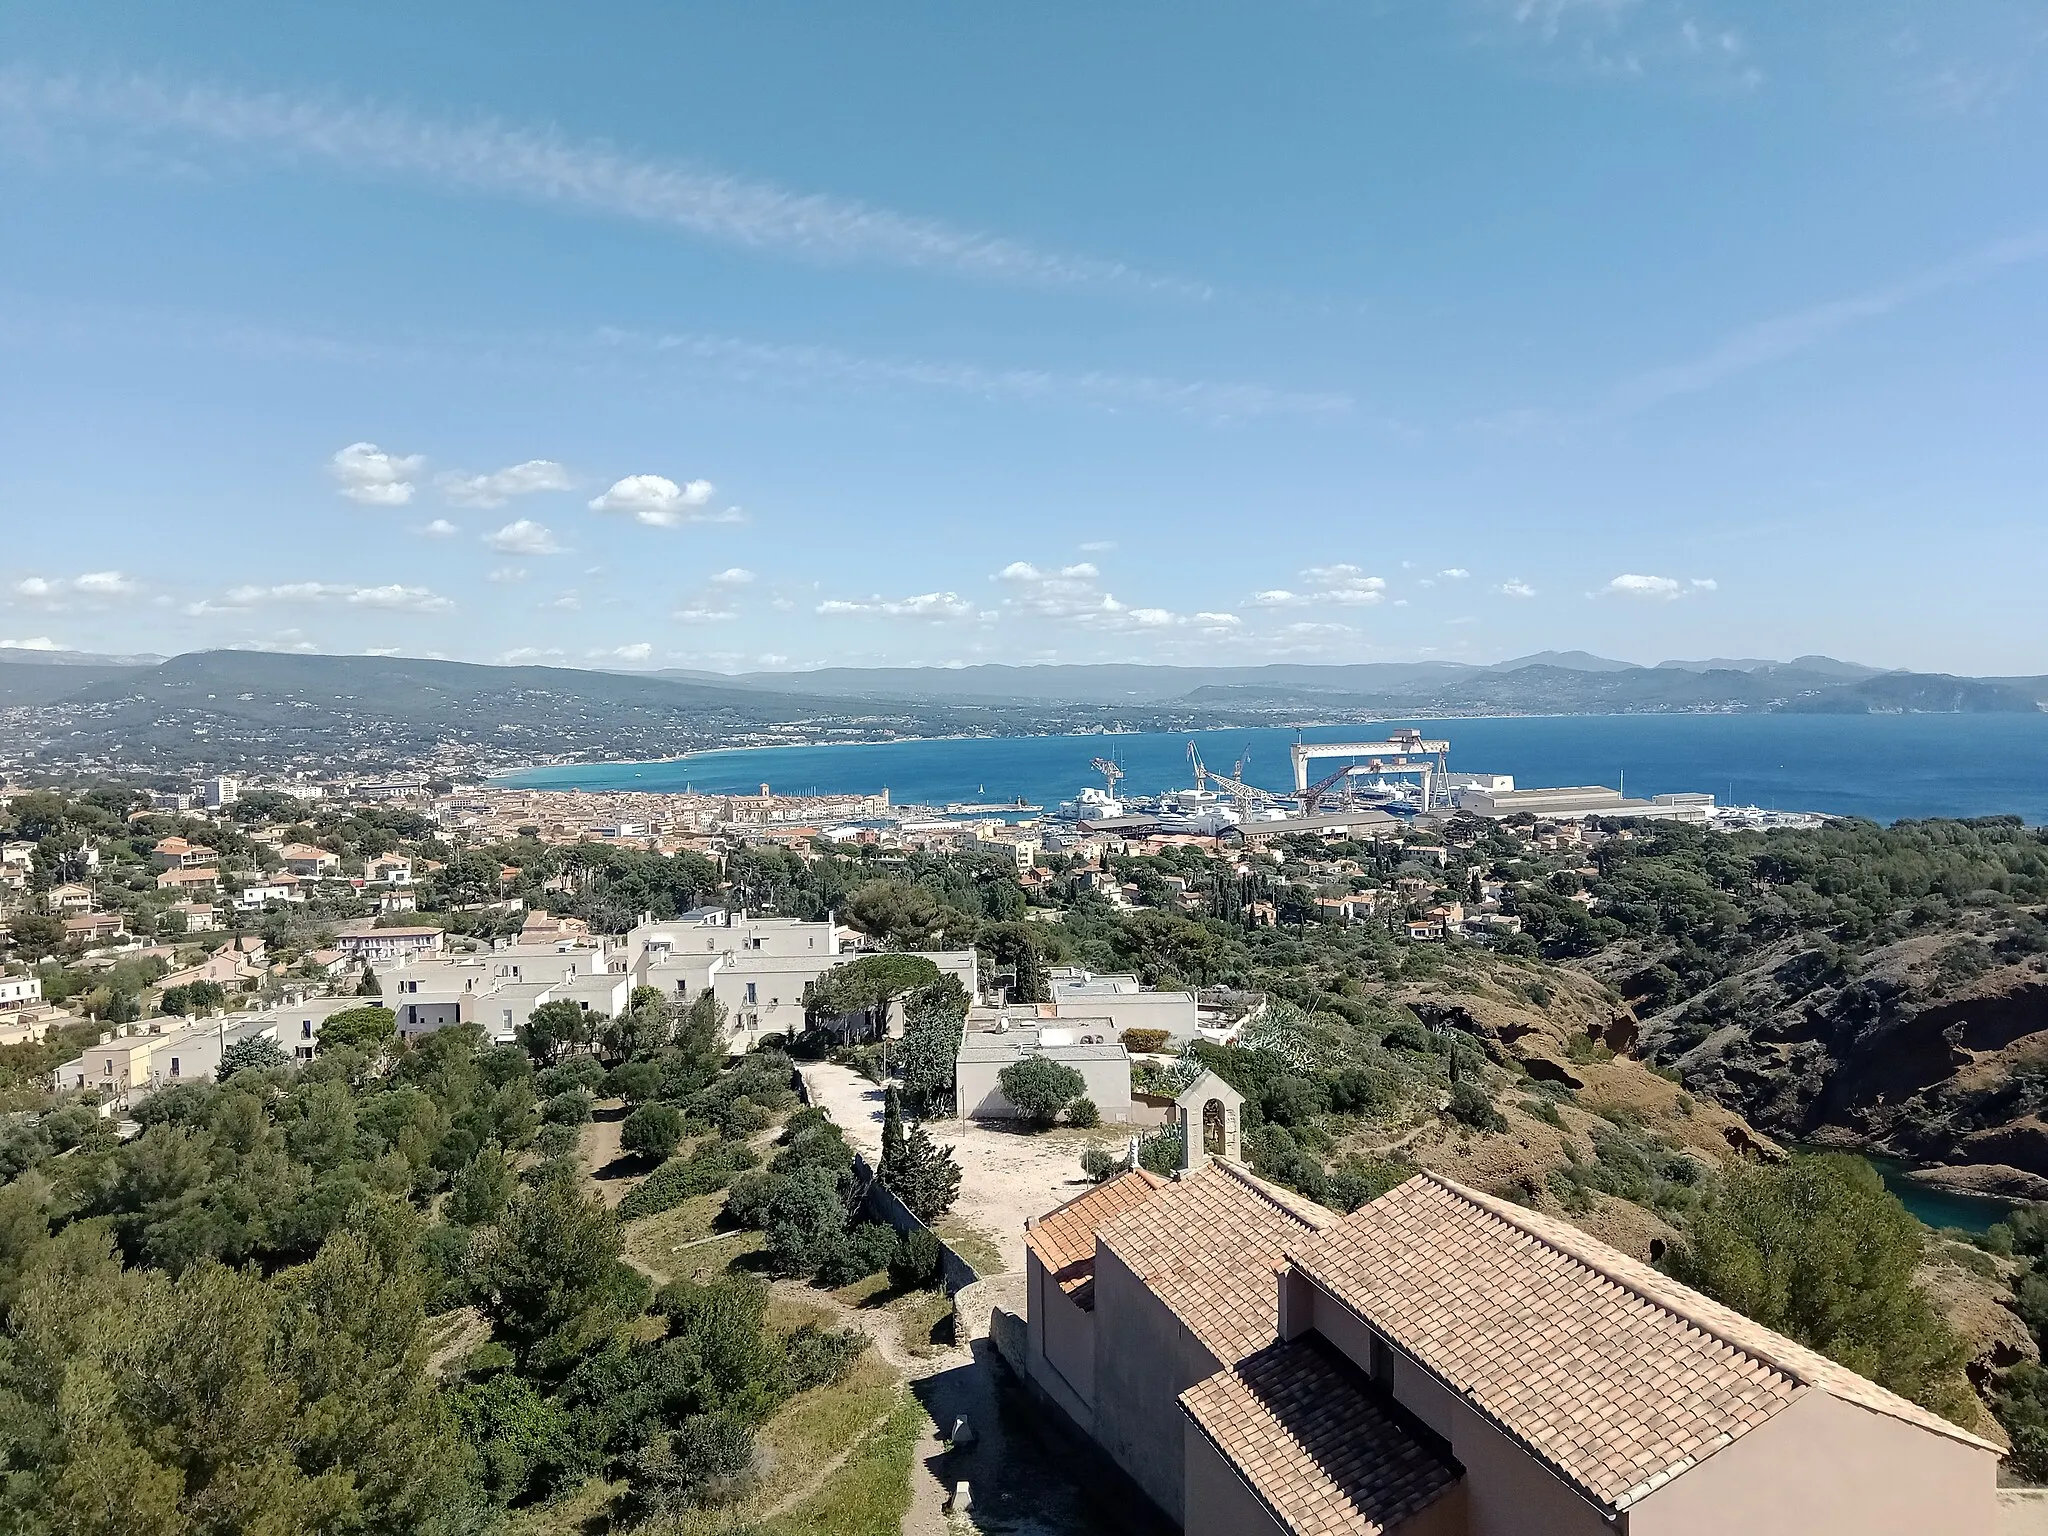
1808,1367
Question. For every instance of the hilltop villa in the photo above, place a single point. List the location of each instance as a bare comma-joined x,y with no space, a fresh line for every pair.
1445,1363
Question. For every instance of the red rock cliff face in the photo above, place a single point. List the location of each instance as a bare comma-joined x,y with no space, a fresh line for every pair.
1891,1058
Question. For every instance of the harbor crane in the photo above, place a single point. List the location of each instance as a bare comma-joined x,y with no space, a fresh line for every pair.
1245,795
1405,753
1311,798
1110,773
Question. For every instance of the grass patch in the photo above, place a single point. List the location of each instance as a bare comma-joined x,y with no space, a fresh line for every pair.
585,1508
657,1243
925,1320
972,1244
867,1292
871,1493
867,1495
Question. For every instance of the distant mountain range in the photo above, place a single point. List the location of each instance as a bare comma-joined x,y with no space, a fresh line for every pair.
1566,682
248,708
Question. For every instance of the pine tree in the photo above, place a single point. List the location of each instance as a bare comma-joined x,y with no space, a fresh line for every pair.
892,1131
923,1176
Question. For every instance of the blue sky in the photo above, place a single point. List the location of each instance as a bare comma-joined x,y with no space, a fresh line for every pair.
797,334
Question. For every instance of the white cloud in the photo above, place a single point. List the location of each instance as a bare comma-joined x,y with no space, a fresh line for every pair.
365,473
1098,546
524,537
529,653
394,598
1705,584
94,587
506,573
703,615
501,485
1073,594
1514,586
284,640
639,650
936,606
543,167
1629,585
439,528
659,502
1454,573
734,576
34,643
1343,584
381,650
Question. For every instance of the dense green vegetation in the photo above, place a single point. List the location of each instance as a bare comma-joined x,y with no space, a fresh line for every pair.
442,1169
225,1322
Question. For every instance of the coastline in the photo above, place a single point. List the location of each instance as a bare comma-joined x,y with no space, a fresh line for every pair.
1193,730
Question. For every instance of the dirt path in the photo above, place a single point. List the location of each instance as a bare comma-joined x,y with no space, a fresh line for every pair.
1023,1478
600,1149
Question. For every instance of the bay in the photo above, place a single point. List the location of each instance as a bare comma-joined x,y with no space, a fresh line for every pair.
1884,767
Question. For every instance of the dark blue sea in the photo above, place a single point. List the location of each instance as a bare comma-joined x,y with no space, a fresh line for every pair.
1885,767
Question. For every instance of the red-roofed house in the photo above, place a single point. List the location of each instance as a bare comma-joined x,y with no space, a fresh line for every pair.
1445,1363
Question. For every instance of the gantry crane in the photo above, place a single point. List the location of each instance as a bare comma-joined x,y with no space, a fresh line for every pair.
1110,773
1244,795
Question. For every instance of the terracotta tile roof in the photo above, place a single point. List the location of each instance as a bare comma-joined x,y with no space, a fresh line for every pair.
1321,1453
1616,1376
1208,1247
1064,1237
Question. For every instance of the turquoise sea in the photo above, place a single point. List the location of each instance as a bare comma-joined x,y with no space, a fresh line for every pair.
1885,767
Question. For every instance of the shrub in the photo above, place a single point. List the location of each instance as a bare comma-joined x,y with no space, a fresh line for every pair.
711,1166
636,1082
746,1199
917,1263
1409,1035
652,1130
1040,1087
1470,1105
569,1108
1083,1113
1097,1164
578,1072
868,1247
820,1357
1161,1151
740,1117
806,1221
1141,1041
1356,1091
557,1140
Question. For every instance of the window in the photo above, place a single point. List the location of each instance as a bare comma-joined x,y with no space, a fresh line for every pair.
174,1066
750,993
305,1029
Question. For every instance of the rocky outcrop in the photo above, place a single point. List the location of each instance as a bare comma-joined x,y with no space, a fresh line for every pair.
1893,1058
